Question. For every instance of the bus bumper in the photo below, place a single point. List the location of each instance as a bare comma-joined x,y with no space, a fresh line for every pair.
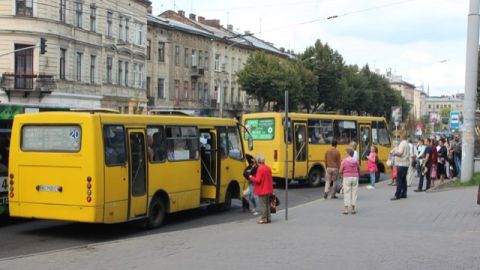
88,214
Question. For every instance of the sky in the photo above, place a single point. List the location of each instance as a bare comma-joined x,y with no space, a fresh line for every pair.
424,41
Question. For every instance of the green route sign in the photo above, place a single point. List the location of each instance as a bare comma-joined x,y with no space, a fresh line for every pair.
261,129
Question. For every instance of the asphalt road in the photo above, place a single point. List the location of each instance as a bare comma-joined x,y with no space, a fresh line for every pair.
22,237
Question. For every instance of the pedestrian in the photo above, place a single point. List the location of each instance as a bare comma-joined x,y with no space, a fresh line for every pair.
457,154
353,146
332,163
263,188
442,157
426,166
391,163
412,170
249,193
420,155
433,171
350,171
402,160
372,166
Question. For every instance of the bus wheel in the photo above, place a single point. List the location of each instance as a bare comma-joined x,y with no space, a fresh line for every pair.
315,177
156,212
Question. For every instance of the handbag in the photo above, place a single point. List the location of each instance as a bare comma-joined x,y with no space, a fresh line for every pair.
274,202
433,172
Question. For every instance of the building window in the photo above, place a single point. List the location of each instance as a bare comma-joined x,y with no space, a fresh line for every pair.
109,23
140,76
120,72
161,52
23,67
194,58
79,66
24,7
232,94
192,95
63,55
78,14
217,62
200,59
225,64
205,92
126,73
185,90
200,91
63,10
149,44
206,61
185,59
139,34
161,88
109,69
429,106
93,59
177,55
120,28
93,18
126,29
177,89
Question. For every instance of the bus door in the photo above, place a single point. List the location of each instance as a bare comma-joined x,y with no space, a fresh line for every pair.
138,173
365,143
209,164
300,150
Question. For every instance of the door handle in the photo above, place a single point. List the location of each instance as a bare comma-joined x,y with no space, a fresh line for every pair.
226,168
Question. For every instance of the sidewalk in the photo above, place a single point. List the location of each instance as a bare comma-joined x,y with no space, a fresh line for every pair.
437,230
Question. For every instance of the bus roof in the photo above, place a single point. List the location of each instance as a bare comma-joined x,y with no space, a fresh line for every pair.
312,115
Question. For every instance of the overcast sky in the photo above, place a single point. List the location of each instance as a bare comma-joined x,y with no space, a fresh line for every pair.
422,40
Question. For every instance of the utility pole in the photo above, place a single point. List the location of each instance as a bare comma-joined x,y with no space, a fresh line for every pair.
470,101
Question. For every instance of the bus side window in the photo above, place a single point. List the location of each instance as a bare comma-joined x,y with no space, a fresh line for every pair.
114,140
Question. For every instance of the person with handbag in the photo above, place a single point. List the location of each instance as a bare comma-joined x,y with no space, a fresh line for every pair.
442,157
350,171
263,188
426,166
413,163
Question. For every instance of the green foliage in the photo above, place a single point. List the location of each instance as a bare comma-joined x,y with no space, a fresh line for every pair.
318,80
475,181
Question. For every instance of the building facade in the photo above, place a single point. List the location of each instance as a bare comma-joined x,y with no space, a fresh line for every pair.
95,55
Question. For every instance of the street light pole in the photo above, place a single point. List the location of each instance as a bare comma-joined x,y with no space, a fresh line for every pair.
468,139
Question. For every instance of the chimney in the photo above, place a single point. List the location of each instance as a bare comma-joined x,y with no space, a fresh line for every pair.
149,9
192,17
181,13
201,19
282,49
247,32
213,23
230,27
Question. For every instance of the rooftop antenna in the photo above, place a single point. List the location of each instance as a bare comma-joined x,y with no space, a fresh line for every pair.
228,17
260,31
174,5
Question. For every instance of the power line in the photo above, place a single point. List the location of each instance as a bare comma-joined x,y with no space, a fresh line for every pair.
337,16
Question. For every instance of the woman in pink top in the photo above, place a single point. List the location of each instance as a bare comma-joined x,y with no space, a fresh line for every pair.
350,170
372,166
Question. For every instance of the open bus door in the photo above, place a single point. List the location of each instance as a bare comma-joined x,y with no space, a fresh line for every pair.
365,143
300,150
209,164
138,174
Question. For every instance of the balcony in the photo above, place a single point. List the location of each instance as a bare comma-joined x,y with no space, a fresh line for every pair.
196,72
27,84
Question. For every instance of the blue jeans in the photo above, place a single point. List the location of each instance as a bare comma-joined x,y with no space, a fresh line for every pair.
372,178
458,164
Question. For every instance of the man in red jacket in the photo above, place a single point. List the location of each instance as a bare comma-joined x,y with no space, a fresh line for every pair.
263,188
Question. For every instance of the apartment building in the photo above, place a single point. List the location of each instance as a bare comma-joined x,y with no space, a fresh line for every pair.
193,64
95,55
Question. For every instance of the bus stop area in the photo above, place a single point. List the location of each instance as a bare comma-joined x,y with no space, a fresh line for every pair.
429,230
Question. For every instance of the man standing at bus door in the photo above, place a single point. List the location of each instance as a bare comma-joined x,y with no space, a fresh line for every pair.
263,188
332,162
402,161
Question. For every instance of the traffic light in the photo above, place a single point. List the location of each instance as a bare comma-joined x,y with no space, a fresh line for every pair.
43,45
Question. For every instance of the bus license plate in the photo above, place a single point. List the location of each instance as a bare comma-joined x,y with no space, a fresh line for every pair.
46,188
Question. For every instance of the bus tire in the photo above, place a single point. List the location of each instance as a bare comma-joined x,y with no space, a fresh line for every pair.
156,212
315,177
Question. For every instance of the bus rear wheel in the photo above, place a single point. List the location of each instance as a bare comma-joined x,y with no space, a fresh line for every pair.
315,177
156,212
228,200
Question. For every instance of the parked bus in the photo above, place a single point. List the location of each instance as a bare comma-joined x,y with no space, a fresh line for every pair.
309,137
111,168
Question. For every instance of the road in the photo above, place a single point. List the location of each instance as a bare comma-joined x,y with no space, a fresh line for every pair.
22,237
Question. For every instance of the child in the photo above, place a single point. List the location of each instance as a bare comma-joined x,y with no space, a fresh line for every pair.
372,166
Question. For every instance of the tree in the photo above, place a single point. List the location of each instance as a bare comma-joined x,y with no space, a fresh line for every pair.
327,66
262,77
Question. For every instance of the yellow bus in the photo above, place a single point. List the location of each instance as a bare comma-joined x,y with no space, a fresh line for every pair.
110,168
309,137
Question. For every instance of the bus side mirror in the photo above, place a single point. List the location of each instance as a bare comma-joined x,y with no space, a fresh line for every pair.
250,142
